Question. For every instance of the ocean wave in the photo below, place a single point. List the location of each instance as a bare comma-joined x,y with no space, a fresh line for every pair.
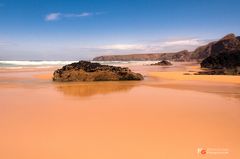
34,63
46,64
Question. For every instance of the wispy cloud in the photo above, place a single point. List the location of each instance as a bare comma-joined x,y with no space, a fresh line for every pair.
190,42
85,14
157,46
52,16
58,15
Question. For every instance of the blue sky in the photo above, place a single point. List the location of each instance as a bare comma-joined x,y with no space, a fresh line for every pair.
82,29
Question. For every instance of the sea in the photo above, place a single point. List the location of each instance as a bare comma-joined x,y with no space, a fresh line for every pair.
48,64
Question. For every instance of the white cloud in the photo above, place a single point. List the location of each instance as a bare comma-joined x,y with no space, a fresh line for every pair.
157,46
122,47
85,14
52,16
182,42
57,16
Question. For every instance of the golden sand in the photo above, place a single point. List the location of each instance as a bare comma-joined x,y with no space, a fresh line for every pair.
151,119
47,76
207,78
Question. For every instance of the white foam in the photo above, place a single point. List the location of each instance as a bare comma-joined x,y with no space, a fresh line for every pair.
47,64
35,63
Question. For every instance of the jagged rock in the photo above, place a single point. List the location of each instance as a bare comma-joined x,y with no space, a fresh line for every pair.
163,63
202,52
229,43
223,60
181,56
87,71
224,63
224,57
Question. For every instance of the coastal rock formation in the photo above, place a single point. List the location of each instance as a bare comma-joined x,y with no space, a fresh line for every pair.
87,71
225,56
163,63
222,55
178,56
181,56
228,43
223,60
223,63
202,52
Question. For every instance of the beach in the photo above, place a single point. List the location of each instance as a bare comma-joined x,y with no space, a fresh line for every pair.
167,115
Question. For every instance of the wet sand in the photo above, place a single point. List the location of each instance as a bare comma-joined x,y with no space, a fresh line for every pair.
182,76
160,117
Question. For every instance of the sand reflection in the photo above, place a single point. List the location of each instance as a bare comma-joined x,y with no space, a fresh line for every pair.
88,89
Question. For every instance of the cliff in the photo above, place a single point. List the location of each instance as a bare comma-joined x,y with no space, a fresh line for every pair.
179,56
227,44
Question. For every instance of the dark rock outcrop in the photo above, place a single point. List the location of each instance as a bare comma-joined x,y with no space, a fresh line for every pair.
223,63
224,57
223,60
87,71
229,43
163,63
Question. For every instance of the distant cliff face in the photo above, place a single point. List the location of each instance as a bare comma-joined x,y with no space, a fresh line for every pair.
229,43
202,52
179,56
